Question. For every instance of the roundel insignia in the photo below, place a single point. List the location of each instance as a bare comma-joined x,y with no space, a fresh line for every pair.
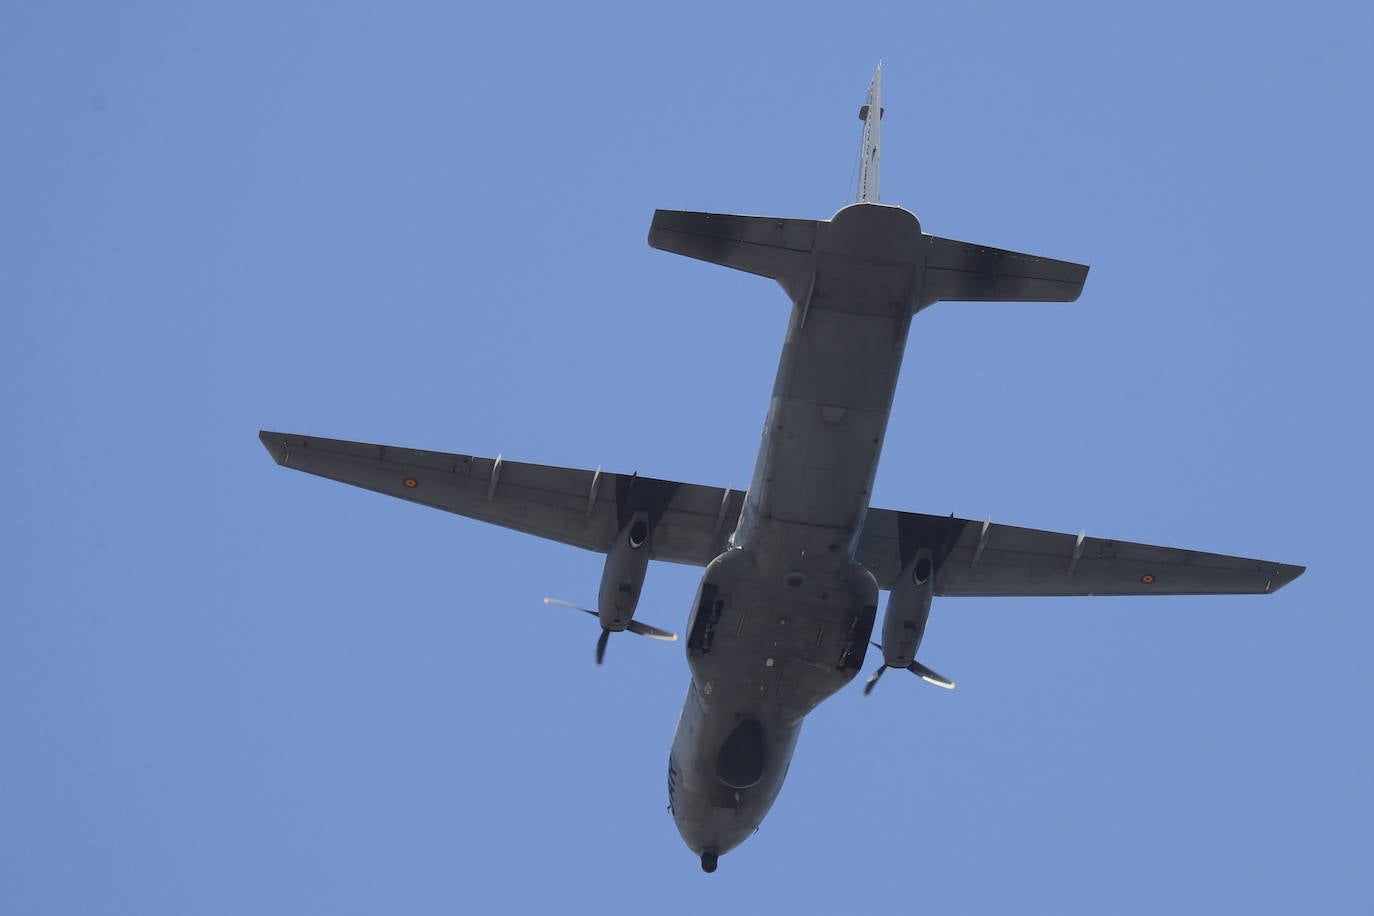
411,483
1145,579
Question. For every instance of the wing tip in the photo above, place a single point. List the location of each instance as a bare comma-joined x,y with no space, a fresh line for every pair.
276,445
1284,574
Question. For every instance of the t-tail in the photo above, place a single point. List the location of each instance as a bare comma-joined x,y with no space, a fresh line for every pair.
792,250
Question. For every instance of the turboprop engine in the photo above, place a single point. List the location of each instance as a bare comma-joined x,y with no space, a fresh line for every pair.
904,621
908,609
622,578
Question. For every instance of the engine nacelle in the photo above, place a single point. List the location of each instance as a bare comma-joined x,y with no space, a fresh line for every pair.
626,563
908,608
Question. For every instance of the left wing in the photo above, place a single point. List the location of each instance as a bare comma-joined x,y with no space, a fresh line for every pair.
980,559
689,523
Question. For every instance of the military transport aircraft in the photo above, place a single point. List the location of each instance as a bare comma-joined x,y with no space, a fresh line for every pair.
794,564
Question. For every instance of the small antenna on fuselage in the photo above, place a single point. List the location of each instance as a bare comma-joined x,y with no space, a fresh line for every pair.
872,115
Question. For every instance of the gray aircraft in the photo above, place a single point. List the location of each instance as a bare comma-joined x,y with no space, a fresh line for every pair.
793,565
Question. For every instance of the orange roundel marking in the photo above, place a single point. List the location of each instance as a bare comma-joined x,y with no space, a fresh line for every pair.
411,483
1147,578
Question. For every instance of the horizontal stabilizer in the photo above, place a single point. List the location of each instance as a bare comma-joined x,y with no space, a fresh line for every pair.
961,271
763,245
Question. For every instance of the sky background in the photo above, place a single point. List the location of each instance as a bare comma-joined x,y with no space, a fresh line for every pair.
226,687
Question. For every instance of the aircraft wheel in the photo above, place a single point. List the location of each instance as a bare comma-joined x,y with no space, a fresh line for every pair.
708,862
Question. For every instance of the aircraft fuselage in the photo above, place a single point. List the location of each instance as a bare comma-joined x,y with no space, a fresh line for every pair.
782,619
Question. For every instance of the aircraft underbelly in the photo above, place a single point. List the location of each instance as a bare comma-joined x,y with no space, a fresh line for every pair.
764,651
833,393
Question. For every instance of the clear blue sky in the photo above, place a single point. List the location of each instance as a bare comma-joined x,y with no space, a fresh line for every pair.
230,688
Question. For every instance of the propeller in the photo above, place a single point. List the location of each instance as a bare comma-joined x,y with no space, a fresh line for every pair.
634,626
916,668
873,679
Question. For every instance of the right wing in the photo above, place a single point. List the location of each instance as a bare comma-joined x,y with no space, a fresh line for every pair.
980,559
587,509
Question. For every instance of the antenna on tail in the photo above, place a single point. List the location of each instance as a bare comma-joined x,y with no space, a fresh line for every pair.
872,115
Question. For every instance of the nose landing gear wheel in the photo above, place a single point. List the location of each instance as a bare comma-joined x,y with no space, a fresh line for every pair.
708,862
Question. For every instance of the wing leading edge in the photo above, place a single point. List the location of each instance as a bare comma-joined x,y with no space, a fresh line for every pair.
691,524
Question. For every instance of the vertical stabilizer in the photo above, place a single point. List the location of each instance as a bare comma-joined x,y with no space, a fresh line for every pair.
872,116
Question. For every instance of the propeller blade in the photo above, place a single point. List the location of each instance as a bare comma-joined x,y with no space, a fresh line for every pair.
643,629
575,607
930,677
873,679
601,646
